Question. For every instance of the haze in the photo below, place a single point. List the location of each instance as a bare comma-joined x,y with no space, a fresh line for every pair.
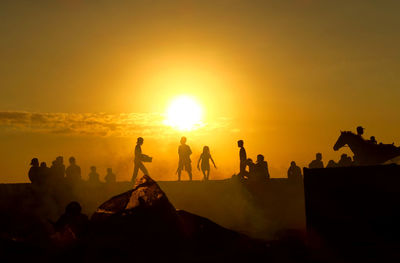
86,78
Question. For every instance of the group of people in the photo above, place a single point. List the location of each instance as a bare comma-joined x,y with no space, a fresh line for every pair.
248,169
41,174
184,163
256,171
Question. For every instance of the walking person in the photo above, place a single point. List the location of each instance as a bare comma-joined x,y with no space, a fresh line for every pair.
139,159
205,158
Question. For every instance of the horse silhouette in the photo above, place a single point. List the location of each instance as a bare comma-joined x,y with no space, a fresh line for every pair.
366,152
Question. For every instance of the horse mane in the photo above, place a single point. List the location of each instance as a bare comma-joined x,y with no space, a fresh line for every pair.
354,135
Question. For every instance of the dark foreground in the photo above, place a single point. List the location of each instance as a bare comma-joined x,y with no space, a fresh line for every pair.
352,216
143,224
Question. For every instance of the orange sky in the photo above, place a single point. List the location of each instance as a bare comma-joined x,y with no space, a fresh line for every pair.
87,78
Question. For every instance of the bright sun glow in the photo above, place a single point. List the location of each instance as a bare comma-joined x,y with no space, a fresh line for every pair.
184,114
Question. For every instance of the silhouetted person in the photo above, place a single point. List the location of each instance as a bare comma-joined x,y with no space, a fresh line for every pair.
205,158
93,175
73,171
185,163
373,140
317,163
242,157
345,161
44,172
360,131
34,171
110,176
57,170
261,169
331,164
73,221
294,172
139,159
252,169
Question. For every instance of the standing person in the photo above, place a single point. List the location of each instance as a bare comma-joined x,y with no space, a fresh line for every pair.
139,159
185,163
205,158
73,171
294,172
242,157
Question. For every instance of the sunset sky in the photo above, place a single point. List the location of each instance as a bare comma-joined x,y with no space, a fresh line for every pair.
86,78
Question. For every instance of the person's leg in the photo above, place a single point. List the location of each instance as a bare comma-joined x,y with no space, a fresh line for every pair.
135,172
179,173
204,174
190,175
208,174
143,169
189,170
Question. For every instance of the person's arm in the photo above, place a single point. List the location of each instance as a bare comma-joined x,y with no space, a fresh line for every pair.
213,161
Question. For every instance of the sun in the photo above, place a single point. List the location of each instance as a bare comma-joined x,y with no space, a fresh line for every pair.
184,114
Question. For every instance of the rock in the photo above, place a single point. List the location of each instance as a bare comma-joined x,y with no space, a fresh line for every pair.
144,223
139,221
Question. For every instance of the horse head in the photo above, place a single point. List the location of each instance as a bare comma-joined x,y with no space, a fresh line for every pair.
341,141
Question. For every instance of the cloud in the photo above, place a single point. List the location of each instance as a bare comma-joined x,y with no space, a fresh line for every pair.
94,124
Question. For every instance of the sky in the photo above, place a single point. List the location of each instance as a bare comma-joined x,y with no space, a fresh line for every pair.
86,78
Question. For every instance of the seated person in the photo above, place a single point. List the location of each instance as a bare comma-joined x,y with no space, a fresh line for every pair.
34,171
110,176
73,171
317,163
261,168
345,161
73,222
331,164
93,175
294,172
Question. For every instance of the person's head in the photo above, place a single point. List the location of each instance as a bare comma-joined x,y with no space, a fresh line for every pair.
72,160
183,140
109,170
373,139
139,141
73,208
260,158
60,159
318,156
240,143
360,130
343,156
331,163
43,164
35,162
292,163
93,169
249,161
206,150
